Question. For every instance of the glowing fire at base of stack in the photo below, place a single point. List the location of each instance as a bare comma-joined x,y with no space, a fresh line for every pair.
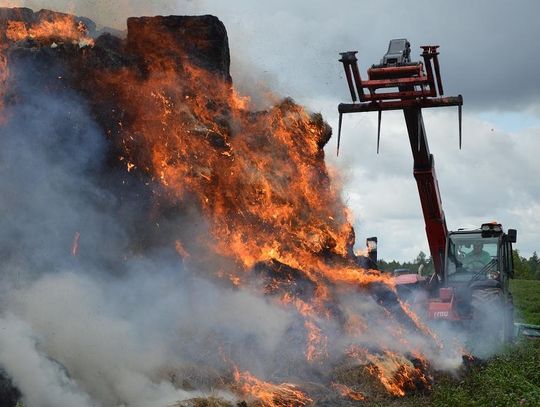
346,391
270,395
395,372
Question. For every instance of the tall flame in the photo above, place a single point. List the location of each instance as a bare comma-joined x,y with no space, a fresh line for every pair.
259,177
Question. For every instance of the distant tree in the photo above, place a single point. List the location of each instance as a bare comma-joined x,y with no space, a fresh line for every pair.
413,265
521,267
526,269
421,258
534,265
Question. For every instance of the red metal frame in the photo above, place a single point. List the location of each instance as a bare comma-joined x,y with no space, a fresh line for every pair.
414,90
443,307
409,78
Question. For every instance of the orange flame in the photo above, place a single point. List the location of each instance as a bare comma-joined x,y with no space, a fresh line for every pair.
395,372
346,391
62,27
4,74
261,181
269,394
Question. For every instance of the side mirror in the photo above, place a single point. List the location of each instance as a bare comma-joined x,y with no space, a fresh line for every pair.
512,235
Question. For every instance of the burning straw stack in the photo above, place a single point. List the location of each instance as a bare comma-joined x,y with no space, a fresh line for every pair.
181,143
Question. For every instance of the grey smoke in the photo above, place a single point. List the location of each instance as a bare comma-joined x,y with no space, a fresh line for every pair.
95,330
42,381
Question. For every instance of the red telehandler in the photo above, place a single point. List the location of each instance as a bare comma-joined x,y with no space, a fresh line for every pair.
472,267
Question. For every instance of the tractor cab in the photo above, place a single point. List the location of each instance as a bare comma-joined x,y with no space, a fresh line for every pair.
399,53
477,269
479,258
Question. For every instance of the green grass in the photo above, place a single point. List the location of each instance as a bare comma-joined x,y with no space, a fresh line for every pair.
510,379
526,300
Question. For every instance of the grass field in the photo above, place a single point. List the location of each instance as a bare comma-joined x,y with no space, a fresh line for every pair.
527,300
511,379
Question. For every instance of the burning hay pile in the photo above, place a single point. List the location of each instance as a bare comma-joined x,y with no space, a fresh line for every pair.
164,242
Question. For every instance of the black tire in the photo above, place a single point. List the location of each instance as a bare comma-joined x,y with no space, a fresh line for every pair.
490,328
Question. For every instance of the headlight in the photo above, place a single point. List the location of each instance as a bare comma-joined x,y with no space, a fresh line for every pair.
494,227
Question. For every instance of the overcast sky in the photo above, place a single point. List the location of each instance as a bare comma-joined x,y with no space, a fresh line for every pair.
489,54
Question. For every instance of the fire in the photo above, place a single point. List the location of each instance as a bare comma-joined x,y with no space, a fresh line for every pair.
263,204
396,373
64,28
4,74
316,342
260,181
270,395
49,30
346,391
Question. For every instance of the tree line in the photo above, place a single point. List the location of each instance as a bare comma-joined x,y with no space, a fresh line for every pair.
526,269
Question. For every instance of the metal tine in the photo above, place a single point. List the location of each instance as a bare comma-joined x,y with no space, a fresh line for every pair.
418,128
379,131
460,120
339,133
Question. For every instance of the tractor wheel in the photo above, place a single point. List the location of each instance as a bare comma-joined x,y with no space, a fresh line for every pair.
490,323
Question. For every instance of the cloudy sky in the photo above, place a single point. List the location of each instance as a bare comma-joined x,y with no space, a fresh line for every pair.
489,54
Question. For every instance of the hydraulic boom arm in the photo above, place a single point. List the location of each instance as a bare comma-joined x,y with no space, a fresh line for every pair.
416,89
428,187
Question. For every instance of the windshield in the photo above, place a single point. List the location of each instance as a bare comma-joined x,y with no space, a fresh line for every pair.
471,256
396,46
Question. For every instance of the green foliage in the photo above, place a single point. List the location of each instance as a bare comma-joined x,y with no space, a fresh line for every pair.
534,265
526,300
521,266
526,269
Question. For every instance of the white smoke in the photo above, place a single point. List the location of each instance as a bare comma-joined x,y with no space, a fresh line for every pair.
99,330
42,381
74,340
